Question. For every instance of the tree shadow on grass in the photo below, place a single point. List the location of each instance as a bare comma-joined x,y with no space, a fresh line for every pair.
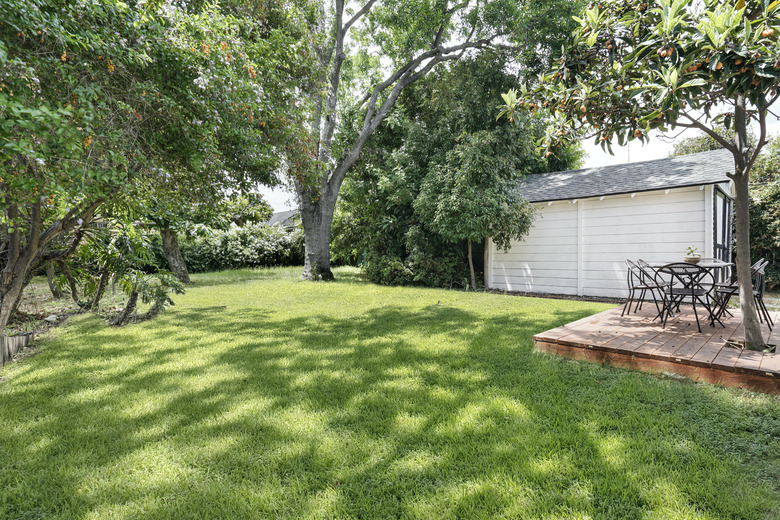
437,412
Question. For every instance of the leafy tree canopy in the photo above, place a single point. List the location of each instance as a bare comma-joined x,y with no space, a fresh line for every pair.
474,193
635,66
425,161
100,101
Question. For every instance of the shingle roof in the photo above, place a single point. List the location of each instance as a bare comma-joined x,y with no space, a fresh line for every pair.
283,218
672,172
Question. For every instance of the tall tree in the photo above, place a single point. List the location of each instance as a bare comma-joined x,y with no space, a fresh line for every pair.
632,67
423,150
67,128
97,95
412,37
475,195
244,61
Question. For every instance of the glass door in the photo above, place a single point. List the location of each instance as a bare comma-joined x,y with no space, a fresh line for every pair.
722,232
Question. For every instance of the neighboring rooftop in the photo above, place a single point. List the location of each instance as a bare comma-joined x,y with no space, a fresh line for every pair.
283,218
672,172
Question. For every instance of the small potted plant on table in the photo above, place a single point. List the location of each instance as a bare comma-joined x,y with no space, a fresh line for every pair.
692,255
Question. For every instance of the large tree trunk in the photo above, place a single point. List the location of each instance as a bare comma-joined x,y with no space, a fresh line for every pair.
471,268
23,256
19,260
317,218
12,283
170,245
753,336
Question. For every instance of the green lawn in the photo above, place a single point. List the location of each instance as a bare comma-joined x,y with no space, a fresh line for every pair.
260,396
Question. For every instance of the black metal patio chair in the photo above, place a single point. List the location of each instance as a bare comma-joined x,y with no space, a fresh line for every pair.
648,277
686,281
759,286
725,291
641,282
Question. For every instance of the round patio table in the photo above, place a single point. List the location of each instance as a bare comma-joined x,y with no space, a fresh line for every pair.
691,280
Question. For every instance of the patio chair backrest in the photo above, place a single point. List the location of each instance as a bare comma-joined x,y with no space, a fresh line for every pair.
759,266
648,273
686,276
760,279
756,268
633,274
760,284
732,278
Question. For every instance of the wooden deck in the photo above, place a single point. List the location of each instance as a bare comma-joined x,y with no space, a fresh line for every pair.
637,342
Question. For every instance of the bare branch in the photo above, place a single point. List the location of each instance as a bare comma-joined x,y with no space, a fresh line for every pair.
366,8
404,76
717,137
761,139
436,55
439,33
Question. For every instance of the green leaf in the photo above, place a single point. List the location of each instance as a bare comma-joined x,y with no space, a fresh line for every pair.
696,82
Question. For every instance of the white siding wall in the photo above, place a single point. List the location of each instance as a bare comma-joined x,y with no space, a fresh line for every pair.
564,254
546,260
653,226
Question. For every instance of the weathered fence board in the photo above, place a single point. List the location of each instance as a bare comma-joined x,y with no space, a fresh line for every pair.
10,346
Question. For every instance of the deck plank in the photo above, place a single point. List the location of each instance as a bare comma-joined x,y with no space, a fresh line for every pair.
770,364
688,330
634,338
749,361
694,344
672,329
564,330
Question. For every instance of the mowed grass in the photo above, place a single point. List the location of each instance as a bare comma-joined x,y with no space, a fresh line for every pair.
261,396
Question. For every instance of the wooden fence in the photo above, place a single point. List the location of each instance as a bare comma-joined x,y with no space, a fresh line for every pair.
9,346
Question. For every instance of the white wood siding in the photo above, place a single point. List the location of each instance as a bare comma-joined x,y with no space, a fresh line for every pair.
580,248
546,260
653,226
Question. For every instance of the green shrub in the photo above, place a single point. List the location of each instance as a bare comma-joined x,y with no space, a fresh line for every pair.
387,270
425,260
257,245
765,229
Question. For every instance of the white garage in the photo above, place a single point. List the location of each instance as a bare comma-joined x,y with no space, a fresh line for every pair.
589,221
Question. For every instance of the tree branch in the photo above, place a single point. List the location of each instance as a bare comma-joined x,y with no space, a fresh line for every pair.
717,137
436,55
761,138
68,222
404,76
16,240
366,8
334,80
